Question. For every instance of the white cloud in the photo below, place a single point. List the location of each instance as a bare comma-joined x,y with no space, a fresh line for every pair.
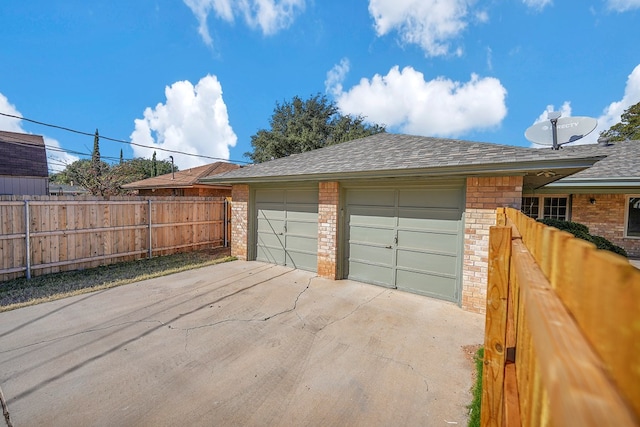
270,16
193,120
431,24
440,107
537,4
611,114
57,158
335,77
623,5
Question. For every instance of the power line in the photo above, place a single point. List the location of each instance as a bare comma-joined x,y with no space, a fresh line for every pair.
120,140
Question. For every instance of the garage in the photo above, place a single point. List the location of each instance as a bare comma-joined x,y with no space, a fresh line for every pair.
408,238
287,227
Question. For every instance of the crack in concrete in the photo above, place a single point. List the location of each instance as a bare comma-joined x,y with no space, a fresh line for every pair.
235,320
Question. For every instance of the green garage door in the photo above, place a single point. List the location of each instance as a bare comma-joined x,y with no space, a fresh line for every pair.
406,238
287,227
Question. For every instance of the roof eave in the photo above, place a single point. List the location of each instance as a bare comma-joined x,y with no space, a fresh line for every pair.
493,169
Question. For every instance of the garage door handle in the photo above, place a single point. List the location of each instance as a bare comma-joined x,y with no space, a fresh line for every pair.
388,247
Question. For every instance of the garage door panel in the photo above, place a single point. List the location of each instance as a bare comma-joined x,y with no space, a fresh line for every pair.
306,197
427,284
428,241
303,228
427,262
372,235
301,243
430,198
370,273
302,260
371,254
270,225
303,212
372,198
270,196
271,254
271,240
372,216
420,218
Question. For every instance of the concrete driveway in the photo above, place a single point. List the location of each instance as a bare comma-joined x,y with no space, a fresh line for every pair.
241,343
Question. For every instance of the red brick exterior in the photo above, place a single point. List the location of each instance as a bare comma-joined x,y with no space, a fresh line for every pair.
239,221
605,217
328,200
484,195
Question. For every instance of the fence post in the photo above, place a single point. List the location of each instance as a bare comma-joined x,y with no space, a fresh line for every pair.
150,230
27,238
491,413
225,223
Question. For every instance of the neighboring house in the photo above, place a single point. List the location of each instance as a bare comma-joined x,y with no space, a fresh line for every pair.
605,197
185,183
23,164
399,211
56,189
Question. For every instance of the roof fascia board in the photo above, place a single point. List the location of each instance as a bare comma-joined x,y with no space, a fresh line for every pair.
495,169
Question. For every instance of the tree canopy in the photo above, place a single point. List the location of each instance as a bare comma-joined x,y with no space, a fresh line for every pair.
628,128
102,179
304,125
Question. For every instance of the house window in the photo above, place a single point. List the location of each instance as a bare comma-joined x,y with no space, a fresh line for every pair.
633,217
539,207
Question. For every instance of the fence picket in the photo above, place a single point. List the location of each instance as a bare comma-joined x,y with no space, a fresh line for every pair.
70,234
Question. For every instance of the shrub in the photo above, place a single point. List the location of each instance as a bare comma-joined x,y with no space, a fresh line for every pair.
581,231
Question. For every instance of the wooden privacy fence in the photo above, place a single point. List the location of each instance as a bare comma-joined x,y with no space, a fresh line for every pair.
562,336
41,235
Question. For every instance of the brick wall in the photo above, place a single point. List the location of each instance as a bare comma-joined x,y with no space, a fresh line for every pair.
605,217
239,220
328,199
484,195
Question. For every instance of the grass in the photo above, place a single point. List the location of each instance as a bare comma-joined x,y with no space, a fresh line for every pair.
476,391
21,292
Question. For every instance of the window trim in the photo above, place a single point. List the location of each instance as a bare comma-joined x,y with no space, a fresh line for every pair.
627,197
541,198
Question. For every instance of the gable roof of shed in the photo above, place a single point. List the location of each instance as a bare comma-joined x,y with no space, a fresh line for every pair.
387,154
181,179
22,154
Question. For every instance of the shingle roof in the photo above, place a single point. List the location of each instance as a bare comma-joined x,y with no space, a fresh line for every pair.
185,178
22,154
622,161
395,152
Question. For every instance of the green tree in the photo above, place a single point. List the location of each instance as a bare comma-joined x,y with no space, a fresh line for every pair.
303,125
628,128
121,157
154,165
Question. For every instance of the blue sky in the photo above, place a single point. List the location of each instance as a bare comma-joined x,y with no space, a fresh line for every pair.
203,76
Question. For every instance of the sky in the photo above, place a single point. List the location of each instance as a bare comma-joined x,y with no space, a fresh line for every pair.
202,76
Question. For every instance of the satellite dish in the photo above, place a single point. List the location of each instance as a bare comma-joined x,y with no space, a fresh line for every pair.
569,129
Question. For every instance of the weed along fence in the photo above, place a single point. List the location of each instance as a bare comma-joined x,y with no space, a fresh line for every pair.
41,235
562,336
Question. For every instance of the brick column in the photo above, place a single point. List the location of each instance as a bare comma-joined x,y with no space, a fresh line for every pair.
484,195
239,220
328,200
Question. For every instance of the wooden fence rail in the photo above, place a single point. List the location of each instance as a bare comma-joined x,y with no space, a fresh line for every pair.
41,235
562,336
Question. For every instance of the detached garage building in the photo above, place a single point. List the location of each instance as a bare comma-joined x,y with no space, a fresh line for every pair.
399,211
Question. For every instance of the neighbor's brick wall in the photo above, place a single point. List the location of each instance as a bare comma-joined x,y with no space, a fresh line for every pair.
328,200
484,195
604,218
239,220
